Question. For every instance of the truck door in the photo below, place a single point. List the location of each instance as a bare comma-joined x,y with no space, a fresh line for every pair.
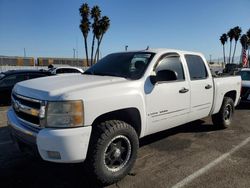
201,87
168,102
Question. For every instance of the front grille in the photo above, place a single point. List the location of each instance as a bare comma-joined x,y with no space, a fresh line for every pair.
28,118
28,102
245,91
27,109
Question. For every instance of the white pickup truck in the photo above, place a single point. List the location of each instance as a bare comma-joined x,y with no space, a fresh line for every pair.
99,116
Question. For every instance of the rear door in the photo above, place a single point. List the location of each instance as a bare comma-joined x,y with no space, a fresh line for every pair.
201,87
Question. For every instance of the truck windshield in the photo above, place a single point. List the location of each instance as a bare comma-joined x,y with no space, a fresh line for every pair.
131,65
245,75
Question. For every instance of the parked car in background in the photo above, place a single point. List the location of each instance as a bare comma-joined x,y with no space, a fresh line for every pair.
245,90
9,78
61,70
231,68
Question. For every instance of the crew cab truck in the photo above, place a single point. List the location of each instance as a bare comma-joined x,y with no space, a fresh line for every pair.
99,116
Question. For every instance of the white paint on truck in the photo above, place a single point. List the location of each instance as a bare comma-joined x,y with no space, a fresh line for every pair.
160,104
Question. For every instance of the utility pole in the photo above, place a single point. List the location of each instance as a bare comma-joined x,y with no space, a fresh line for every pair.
74,53
77,62
210,57
24,52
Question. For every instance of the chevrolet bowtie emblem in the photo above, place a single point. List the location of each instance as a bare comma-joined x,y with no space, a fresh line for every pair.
17,106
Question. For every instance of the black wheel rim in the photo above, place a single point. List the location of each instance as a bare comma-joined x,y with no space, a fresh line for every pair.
228,112
117,153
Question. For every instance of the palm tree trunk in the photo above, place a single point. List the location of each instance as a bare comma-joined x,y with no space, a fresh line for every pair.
92,50
248,57
234,51
98,48
224,54
86,50
230,52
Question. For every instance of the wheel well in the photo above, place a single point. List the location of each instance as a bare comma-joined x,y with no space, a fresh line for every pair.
231,94
128,115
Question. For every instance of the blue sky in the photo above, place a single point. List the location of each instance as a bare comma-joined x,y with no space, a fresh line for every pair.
51,27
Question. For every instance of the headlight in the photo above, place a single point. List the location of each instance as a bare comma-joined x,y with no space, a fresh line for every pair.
64,114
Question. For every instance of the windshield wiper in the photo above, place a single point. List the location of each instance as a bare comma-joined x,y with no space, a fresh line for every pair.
109,74
88,73
104,74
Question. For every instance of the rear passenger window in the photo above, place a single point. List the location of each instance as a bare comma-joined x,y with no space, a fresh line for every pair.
172,63
196,67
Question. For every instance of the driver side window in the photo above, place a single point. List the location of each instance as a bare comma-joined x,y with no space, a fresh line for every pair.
172,63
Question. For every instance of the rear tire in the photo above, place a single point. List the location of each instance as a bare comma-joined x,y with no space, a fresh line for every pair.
112,151
223,118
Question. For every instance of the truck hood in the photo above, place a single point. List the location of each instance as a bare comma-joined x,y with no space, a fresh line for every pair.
60,87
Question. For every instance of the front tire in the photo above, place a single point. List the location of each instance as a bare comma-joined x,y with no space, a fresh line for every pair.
112,151
223,118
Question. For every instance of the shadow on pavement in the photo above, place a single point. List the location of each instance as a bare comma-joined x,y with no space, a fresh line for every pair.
6,104
192,127
27,172
4,135
243,106
18,170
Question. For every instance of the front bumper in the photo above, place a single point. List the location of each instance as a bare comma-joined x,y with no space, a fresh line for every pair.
55,145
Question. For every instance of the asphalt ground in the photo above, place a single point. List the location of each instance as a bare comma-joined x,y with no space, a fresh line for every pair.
192,155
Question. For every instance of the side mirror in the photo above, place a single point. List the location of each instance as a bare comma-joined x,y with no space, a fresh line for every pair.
164,76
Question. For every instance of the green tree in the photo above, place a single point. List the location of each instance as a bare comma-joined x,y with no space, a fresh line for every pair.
237,33
85,26
223,40
104,24
230,35
95,15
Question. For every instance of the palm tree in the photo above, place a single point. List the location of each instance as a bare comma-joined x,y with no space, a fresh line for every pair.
85,26
95,15
237,33
248,42
248,33
104,24
230,35
223,40
243,40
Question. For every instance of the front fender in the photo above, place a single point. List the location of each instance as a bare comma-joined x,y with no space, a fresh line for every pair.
95,108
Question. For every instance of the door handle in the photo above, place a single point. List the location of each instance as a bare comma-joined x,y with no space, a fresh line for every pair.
208,86
183,90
